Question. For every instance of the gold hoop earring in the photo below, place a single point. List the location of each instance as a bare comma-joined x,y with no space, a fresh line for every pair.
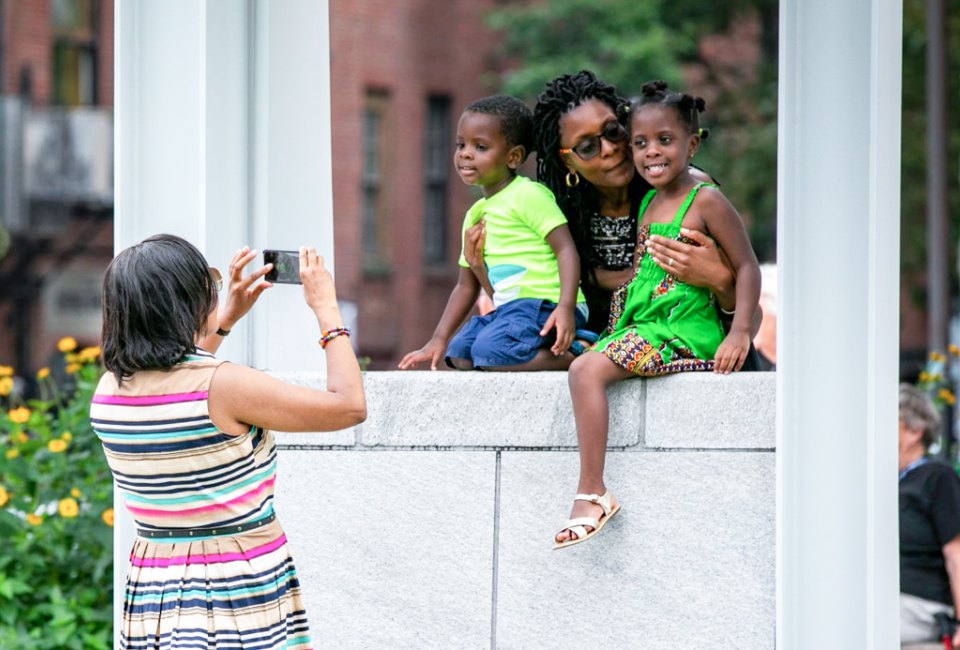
573,179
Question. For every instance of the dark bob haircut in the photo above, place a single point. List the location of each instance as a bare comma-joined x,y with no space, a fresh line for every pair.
157,296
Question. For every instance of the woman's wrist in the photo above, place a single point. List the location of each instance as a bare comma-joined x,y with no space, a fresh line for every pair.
328,318
225,322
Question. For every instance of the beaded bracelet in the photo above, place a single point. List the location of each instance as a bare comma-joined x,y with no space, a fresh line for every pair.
328,335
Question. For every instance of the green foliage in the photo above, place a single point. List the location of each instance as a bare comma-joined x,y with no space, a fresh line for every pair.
935,380
625,43
913,186
56,516
4,241
628,43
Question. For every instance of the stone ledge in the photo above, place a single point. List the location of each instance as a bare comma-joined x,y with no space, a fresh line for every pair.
709,411
532,410
690,556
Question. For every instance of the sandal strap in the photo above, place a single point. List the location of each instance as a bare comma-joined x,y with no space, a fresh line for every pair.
579,531
581,521
601,500
577,526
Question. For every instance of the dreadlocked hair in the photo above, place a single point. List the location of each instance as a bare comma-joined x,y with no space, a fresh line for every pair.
579,203
688,107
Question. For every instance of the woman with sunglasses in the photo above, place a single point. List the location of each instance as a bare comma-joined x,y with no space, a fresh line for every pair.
583,157
188,438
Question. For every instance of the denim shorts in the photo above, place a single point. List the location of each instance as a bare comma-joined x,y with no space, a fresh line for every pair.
507,336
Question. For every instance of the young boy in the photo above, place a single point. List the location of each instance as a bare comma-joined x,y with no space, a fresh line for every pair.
530,257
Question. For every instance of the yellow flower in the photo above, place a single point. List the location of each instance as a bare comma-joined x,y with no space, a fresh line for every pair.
947,396
67,344
72,368
936,356
6,371
89,354
936,376
68,508
66,435
4,496
6,385
22,437
56,445
34,520
924,375
19,415
12,453
75,493
107,517
71,357
43,373
954,350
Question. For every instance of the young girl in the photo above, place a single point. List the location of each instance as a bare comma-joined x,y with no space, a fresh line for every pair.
659,325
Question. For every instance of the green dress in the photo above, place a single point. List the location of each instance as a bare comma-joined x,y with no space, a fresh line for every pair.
659,325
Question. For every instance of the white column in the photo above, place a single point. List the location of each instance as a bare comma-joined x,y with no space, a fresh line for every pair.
838,251
292,167
222,132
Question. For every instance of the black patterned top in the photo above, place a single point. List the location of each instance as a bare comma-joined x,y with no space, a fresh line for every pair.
614,241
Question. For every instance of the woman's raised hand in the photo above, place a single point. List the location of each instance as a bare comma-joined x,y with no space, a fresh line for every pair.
242,292
474,240
701,264
319,291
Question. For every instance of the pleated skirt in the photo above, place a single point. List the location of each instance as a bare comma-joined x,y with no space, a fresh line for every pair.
230,592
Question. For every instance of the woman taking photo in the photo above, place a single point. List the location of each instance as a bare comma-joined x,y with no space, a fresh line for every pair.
188,438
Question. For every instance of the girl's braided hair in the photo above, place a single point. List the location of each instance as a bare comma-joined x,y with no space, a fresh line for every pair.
581,202
688,107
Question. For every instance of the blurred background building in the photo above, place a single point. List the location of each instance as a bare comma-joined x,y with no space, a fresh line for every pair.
56,174
401,72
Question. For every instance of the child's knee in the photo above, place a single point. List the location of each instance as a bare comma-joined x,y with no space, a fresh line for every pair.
459,364
585,369
500,350
579,370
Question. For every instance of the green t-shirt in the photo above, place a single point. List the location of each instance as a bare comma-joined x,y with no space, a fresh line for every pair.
519,261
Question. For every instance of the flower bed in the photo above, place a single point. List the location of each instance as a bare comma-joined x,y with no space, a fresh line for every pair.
56,513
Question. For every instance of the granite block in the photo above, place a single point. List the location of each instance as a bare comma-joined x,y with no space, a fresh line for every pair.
688,562
476,409
394,549
710,411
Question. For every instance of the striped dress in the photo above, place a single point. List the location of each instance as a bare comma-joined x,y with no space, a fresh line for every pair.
177,470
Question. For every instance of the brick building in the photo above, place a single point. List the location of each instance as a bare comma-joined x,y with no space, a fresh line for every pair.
396,96
401,74
56,170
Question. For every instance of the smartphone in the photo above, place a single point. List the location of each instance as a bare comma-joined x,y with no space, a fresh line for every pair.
286,266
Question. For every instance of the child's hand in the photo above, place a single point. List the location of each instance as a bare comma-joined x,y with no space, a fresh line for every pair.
432,351
732,352
561,318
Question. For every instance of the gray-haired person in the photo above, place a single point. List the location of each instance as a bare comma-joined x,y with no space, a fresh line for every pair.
929,524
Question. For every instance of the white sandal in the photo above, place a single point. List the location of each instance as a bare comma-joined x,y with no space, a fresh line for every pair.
578,525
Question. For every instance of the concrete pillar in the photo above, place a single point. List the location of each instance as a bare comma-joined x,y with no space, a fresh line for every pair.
222,131
838,251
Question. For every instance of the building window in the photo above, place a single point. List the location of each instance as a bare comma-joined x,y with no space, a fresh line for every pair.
376,235
436,175
74,52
